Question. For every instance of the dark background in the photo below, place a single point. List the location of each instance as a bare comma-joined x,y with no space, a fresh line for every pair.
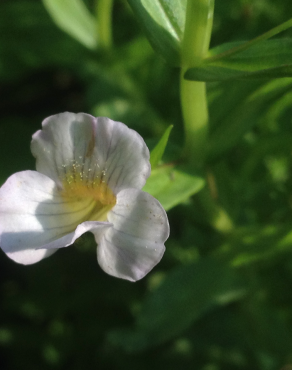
65,312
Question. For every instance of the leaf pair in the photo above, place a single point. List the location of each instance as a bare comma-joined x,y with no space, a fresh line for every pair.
164,23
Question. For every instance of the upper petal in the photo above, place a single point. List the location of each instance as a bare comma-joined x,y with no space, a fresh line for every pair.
135,244
93,148
33,214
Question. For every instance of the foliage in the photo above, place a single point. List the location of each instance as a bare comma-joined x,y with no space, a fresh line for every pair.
221,297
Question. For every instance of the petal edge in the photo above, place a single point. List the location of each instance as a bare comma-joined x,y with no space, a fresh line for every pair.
135,244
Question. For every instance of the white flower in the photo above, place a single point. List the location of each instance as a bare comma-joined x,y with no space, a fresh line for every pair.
89,175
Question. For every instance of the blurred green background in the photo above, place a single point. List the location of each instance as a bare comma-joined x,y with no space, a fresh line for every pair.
215,301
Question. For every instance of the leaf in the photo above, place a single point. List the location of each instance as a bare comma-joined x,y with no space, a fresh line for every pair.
73,17
163,22
39,44
267,54
172,186
186,294
240,47
264,60
248,245
240,120
157,153
214,73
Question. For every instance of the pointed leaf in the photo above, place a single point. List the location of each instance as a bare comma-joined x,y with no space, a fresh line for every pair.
240,47
264,55
73,17
157,153
163,22
264,60
212,73
172,186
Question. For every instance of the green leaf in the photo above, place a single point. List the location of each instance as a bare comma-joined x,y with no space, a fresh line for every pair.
264,60
163,22
39,43
172,186
186,294
157,153
213,73
248,245
73,17
242,46
244,116
267,54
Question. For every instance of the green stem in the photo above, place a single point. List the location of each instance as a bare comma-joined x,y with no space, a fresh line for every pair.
195,114
199,21
104,22
198,27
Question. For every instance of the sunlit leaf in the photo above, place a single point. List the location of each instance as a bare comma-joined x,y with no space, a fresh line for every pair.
172,186
157,152
163,22
73,17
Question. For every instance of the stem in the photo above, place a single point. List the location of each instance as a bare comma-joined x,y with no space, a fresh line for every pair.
195,113
197,34
104,22
198,27
199,21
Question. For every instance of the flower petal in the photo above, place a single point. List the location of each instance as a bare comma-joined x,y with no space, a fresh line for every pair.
94,148
30,256
97,227
135,244
34,214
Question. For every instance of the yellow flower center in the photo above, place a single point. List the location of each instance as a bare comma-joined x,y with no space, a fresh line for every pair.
91,192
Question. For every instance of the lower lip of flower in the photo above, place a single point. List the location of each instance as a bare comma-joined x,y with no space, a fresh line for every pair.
81,188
